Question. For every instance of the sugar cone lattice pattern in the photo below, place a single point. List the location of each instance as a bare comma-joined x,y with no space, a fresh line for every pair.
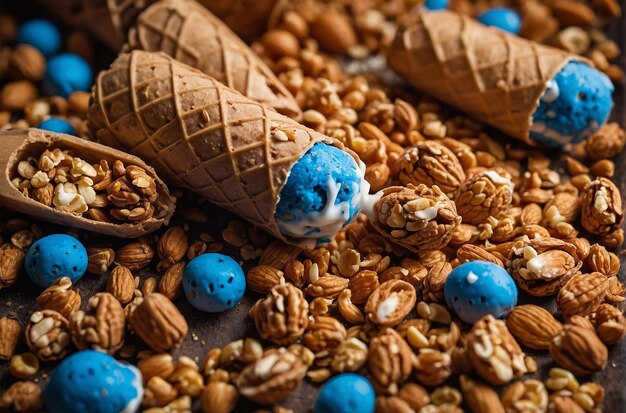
108,20
198,133
188,32
247,18
485,72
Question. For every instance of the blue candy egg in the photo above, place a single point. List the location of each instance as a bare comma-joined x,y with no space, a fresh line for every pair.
41,34
213,282
503,19
67,73
53,257
58,125
478,288
90,382
436,4
346,393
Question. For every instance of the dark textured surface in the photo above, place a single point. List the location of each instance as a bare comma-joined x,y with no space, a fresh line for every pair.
210,330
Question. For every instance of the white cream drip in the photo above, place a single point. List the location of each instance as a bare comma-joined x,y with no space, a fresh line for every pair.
471,278
552,92
496,178
387,308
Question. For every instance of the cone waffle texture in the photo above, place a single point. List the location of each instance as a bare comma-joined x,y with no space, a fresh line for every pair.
485,72
199,134
247,18
108,20
192,35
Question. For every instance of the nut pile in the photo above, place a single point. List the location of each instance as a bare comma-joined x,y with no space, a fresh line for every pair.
101,192
371,301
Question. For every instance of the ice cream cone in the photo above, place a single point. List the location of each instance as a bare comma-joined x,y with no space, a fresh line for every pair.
191,34
199,134
247,18
107,20
485,72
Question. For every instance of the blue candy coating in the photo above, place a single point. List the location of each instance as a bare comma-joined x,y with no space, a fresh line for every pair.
576,103
346,393
58,125
502,18
67,73
93,382
41,34
306,189
53,257
213,282
436,4
478,288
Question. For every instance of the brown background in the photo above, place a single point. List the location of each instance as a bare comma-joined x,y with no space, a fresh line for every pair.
211,330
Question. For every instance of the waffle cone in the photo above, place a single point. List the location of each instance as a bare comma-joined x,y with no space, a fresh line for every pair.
485,72
199,134
191,34
107,20
247,18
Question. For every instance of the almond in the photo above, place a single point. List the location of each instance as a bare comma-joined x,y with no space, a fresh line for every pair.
334,32
16,95
27,63
280,43
11,264
533,326
60,298
10,333
582,294
219,397
159,323
121,284
134,256
263,277
480,397
172,246
278,254
578,350
171,284
99,260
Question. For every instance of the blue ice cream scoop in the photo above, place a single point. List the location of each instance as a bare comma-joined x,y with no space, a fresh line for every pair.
478,288
42,35
58,125
502,18
214,282
67,73
577,101
325,190
346,393
90,381
53,257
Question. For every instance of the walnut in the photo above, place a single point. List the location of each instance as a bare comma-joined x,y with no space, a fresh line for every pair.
390,360
609,323
59,297
484,194
99,259
324,334
533,326
603,261
22,396
578,350
417,218
523,396
271,378
607,142
582,294
431,163
601,207
351,355
11,264
47,335
432,367
541,266
102,327
493,352
158,322
390,303
436,280
27,62
282,316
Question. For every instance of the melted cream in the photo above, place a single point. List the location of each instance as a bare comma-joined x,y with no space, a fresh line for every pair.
552,92
496,178
387,308
471,278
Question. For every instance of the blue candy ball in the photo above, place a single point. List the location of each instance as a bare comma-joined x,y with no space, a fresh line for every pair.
436,4
346,393
42,35
67,73
503,19
213,282
478,288
90,381
53,257
58,125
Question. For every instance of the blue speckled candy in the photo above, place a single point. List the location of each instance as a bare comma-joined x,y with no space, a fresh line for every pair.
53,257
93,382
305,193
42,35
67,73
213,282
576,103
478,288
346,393
436,4
504,19
58,125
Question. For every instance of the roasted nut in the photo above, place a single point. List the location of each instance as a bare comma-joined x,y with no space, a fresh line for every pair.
493,352
415,395
22,396
27,62
432,367
351,355
328,286
263,277
390,360
161,365
171,284
59,297
607,142
172,246
24,365
99,260
102,327
134,256
47,335
278,254
219,397
10,332
533,326
271,378
480,397
282,316
582,294
602,261
390,303
578,350
11,264
324,334
484,194
121,284
524,395
334,32
609,323
362,285
16,95
601,211
158,323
